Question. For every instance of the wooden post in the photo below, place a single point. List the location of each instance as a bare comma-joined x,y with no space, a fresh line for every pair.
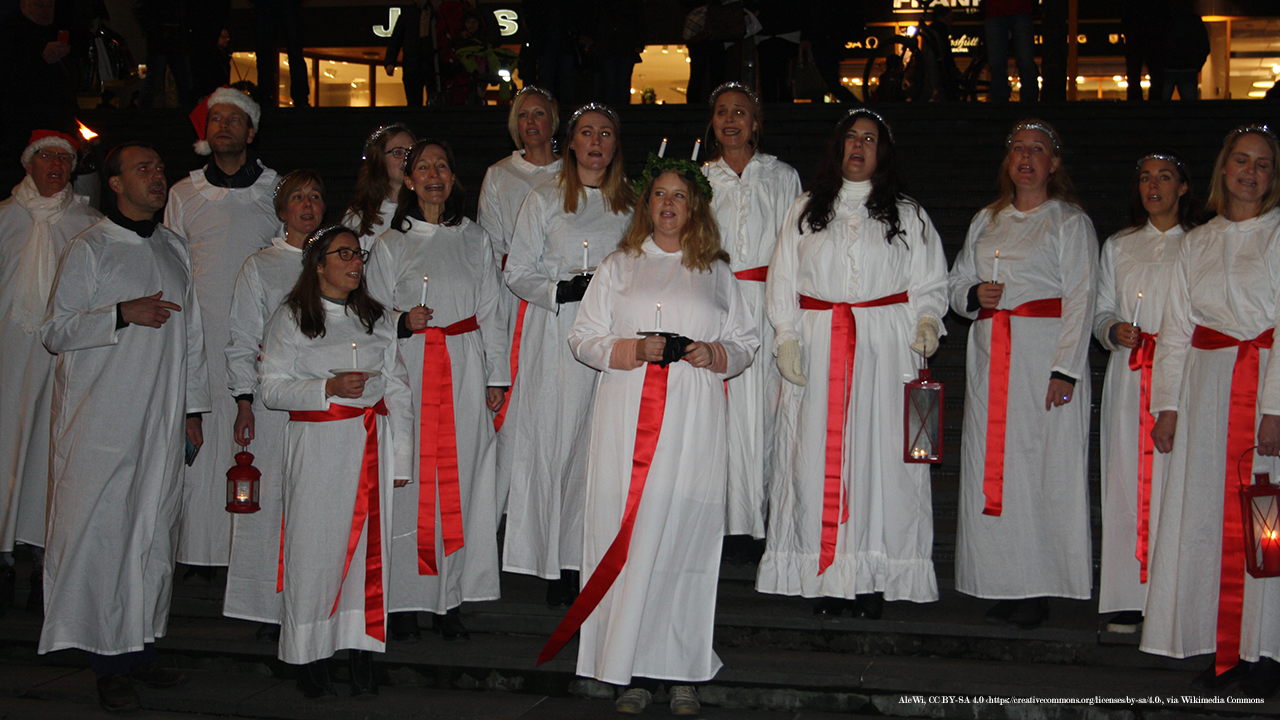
1073,47
315,79
373,85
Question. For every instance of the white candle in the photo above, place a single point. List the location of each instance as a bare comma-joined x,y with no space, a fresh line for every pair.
995,269
424,291
662,149
1137,308
584,256
658,318
697,145
355,360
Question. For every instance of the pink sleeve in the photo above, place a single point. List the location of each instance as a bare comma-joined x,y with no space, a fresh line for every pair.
719,358
623,355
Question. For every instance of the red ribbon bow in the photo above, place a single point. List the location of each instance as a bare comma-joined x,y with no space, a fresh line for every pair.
1140,358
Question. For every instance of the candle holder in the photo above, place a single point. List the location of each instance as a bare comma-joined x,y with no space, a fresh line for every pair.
1260,511
922,419
243,480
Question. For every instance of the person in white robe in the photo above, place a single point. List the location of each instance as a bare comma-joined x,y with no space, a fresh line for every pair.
264,279
330,358
656,612
129,386
1023,533
226,213
36,222
1134,276
753,191
854,251
378,182
564,229
532,122
434,257
1218,322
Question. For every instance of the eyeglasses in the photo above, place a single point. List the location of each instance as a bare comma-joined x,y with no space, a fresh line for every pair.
345,254
48,155
398,153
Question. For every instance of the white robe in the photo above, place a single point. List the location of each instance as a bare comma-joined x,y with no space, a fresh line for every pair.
887,543
385,213
550,415
1227,278
266,277
463,283
658,618
26,382
750,209
322,465
223,227
120,401
1133,261
1040,544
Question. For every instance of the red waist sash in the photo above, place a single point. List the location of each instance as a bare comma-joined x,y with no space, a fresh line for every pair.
438,448
501,417
1240,434
998,392
844,342
366,509
653,403
755,274
1140,358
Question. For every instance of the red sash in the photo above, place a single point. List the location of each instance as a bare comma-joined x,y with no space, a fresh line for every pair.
998,392
438,448
501,417
755,274
653,402
844,342
1240,434
366,509
1140,358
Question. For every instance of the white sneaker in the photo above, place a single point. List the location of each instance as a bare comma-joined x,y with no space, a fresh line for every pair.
684,700
633,701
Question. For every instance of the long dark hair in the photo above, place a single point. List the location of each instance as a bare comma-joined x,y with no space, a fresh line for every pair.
454,206
1189,212
304,301
886,184
372,183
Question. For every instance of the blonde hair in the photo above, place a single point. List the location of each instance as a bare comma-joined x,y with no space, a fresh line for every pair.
1060,186
1218,197
700,238
513,117
618,193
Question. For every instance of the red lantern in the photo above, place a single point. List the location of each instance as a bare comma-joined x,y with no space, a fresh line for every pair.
922,420
1260,510
242,484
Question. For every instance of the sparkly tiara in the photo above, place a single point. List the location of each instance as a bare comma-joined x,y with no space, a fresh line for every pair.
1251,128
1172,159
868,112
593,107
736,87
1035,125
688,169
373,138
323,233
535,89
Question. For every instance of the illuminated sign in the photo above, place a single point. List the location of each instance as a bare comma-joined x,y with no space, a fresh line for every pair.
910,6
385,30
507,24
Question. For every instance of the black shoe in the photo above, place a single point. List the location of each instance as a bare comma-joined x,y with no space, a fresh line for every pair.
1030,613
449,626
557,595
116,693
1262,680
869,606
1000,612
35,596
153,674
573,583
364,677
404,627
1209,678
1125,622
268,633
199,575
315,681
829,606
8,581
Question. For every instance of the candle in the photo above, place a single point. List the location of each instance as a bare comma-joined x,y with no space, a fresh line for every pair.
1270,549
658,318
424,291
1137,308
242,492
919,453
697,145
355,361
995,269
662,149
584,256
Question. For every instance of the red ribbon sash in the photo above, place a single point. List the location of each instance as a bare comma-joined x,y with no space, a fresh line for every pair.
501,417
844,343
998,392
438,448
1240,434
1140,358
755,274
366,510
653,402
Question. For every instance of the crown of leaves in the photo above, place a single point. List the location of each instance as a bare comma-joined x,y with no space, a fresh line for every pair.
689,170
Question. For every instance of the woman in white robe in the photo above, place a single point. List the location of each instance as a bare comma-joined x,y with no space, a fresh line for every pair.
266,277
431,238
336,549
1225,294
378,182
857,242
579,217
753,190
658,619
1137,260
1023,532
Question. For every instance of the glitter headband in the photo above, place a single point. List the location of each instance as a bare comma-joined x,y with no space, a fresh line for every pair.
593,107
736,87
1251,128
1035,125
324,232
373,138
1172,159
868,112
535,89
687,169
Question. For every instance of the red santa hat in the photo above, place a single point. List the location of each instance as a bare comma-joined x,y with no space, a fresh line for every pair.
222,96
41,139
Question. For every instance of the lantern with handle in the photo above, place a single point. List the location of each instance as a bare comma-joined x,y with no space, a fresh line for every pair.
922,419
243,480
1260,512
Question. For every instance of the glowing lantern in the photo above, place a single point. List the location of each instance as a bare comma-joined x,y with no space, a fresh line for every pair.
922,420
243,480
1260,510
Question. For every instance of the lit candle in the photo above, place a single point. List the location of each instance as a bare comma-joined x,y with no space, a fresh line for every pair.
995,269
662,149
242,493
424,291
1137,308
697,145
658,318
355,361
584,256
1270,549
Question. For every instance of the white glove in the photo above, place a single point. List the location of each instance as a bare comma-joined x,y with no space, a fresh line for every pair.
927,332
789,363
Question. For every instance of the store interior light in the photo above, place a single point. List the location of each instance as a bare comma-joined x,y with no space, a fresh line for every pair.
1123,84
1264,84
1080,80
1258,94
1117,78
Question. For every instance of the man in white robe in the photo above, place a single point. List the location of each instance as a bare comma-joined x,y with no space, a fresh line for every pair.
35,224
226,213
129,386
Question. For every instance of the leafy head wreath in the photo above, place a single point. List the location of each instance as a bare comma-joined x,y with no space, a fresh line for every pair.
868,112
687,169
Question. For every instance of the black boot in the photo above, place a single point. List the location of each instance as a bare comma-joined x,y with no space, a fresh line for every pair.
573,583
315,681
1030,613
404,627
8,580
829,606
35,596
869,606
364,679
556,595
449,626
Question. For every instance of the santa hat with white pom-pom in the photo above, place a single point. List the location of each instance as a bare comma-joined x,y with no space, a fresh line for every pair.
41,139
221,96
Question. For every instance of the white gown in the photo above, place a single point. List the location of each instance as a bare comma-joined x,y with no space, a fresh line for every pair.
463,283
26,381
386,212
1140,260
322,465
1040,544
658,618
1227,278
749,209
266,277
120,400
550,415
887,543
223,227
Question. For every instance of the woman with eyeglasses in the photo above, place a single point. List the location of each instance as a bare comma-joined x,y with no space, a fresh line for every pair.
330,358
1216,394
378,182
